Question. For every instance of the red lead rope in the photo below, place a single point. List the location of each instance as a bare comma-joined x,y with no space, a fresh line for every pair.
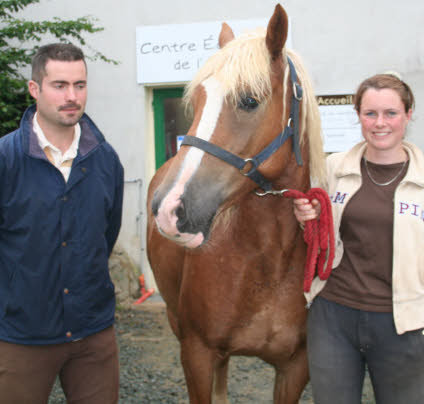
318,235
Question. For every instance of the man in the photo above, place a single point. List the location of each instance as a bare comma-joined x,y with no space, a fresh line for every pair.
61,187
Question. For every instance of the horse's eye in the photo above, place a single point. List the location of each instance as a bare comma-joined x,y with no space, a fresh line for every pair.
248,103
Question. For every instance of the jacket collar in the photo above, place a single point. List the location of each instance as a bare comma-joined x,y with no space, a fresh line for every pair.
90,138
416,164
352,163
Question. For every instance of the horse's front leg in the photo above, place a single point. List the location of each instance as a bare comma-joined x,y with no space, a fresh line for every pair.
220,385
291,379
201,364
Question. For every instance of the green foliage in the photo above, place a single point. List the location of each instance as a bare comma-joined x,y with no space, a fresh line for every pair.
18,42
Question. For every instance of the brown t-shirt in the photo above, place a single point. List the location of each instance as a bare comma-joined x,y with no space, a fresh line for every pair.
363,279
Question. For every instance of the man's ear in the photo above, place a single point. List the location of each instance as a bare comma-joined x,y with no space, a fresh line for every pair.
33,88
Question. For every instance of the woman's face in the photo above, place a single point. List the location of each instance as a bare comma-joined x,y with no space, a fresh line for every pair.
383,119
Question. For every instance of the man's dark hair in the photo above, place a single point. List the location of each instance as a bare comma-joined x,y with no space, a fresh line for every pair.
64,52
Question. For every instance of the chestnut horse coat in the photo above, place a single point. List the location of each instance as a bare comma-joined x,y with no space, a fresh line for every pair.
228,263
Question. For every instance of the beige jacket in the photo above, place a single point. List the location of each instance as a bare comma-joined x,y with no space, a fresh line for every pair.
344,179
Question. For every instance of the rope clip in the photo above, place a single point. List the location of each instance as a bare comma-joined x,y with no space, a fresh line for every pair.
278,192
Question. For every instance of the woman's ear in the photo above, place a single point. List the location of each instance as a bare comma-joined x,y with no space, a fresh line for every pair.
409,114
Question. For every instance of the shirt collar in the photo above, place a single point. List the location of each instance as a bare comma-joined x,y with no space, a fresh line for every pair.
43,142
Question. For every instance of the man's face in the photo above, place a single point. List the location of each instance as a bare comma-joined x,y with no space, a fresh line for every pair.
62,96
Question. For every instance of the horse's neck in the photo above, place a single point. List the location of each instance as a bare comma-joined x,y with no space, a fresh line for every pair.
277,211
271,214
266,231
294,177
274,211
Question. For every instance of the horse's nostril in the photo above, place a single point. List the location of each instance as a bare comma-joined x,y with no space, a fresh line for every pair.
180,212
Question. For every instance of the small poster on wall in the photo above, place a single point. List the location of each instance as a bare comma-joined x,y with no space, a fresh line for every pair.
340,124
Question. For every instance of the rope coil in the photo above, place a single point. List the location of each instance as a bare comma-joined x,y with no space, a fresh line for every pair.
319,236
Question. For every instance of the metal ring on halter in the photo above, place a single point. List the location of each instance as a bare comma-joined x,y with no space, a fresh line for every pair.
289,121
254,166
295,92
278,192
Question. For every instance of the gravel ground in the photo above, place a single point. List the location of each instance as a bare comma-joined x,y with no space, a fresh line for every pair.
151,372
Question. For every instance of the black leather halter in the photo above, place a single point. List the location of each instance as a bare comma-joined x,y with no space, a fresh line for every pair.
292,129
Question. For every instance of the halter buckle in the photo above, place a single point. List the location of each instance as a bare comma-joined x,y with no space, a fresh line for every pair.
297,92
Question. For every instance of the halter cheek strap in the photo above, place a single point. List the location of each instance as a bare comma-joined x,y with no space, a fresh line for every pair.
295,111
292,129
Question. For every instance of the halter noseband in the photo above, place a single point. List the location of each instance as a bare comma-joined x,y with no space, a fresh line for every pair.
292,129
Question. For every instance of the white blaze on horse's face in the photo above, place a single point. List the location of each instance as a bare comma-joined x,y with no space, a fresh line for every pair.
166,218
207,124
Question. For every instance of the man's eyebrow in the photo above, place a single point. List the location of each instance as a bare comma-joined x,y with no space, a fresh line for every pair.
67,82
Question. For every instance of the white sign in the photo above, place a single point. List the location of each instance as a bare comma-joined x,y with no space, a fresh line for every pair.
173,53
340,124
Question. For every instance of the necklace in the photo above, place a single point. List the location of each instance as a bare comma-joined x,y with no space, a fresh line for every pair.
382,184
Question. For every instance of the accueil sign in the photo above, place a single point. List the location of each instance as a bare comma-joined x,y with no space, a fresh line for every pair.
339,122
173,53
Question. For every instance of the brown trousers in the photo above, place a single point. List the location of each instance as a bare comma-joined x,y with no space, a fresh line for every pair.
88,370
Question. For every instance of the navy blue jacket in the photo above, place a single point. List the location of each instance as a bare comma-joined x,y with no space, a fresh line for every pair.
56,237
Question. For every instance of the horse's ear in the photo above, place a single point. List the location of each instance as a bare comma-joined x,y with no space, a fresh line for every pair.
226,35
277,31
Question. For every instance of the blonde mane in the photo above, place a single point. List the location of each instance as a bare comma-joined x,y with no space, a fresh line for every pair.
243,66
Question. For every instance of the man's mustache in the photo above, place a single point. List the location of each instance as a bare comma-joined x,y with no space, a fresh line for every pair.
69,106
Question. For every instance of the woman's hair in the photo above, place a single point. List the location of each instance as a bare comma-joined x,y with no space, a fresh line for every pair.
386,80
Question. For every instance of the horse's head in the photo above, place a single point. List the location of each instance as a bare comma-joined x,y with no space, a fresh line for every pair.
241,99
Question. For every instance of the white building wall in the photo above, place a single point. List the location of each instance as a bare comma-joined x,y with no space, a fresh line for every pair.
341,42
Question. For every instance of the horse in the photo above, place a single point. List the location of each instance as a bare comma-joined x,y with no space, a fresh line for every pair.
225,249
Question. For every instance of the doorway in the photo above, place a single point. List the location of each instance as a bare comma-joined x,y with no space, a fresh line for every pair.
170,122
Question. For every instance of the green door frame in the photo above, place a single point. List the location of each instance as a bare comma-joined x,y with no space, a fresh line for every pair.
159,94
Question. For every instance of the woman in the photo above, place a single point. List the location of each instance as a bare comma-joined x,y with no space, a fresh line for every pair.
370,312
